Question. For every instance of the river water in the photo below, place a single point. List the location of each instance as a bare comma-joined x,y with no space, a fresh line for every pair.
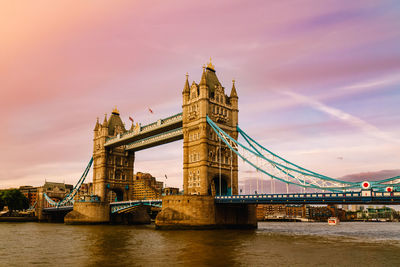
272,244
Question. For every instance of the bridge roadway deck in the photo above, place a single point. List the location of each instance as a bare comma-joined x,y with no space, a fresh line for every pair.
374,198
158,128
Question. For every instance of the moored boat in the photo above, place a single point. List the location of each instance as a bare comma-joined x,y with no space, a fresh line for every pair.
333,221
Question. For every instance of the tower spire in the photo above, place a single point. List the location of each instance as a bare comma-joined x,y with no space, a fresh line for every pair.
186,87
97,124
233,91
115,111
203,80
210,66
105,120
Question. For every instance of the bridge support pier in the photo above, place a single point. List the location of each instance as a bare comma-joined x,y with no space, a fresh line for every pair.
89,213
140,215
201,212
237,216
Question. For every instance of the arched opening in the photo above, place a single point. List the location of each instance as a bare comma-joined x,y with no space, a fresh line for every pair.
219,186
115,195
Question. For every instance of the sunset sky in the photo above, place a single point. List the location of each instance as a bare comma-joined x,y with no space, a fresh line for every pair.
318,81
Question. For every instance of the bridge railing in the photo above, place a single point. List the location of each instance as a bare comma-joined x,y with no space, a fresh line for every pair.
360,197
311,195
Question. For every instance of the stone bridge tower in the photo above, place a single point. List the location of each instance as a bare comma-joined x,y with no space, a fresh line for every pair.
112,167
209,167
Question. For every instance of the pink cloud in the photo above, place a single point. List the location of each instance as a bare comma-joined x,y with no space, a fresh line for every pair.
62,65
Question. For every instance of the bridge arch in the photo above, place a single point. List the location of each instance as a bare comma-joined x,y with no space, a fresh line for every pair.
115,194
219,185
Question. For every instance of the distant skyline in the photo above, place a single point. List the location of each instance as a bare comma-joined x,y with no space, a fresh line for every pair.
318,81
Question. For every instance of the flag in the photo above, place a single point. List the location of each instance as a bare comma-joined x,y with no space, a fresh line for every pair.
166,177
131,119
150,111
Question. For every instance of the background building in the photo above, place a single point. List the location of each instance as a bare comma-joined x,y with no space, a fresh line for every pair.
30,193
145,186
85,190
170,191
270,211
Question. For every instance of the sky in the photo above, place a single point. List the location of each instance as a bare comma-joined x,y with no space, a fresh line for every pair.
318,81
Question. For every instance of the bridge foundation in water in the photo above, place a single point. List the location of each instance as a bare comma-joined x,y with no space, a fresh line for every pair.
89,213
139,215
201,212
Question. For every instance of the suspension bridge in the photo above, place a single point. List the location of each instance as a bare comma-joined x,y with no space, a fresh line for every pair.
213,143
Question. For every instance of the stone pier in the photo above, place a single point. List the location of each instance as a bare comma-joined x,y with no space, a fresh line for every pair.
201,212
89,213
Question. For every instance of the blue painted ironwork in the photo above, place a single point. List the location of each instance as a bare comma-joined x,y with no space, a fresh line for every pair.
33,206
286,171
120,206
380,184
69,198
362,197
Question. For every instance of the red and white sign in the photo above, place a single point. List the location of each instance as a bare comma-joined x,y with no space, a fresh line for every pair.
365,185
389,189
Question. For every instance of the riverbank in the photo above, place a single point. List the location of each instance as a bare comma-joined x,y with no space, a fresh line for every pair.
19,219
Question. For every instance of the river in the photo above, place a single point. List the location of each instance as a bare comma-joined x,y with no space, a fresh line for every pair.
272,244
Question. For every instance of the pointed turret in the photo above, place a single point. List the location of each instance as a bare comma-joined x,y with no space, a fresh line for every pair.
105,120
234,102
233,91
203,89
97,125
186,88
115,124
203,81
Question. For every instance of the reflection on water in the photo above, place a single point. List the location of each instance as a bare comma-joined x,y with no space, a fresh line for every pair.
272,244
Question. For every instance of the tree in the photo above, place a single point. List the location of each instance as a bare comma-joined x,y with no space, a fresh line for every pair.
1,200
15,200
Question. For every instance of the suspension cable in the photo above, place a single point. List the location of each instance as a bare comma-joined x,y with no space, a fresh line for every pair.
231,174
220,159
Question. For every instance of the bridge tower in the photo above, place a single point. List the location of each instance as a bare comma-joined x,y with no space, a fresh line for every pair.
112,167
209,167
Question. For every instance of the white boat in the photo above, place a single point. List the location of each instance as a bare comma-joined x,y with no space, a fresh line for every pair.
333,221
